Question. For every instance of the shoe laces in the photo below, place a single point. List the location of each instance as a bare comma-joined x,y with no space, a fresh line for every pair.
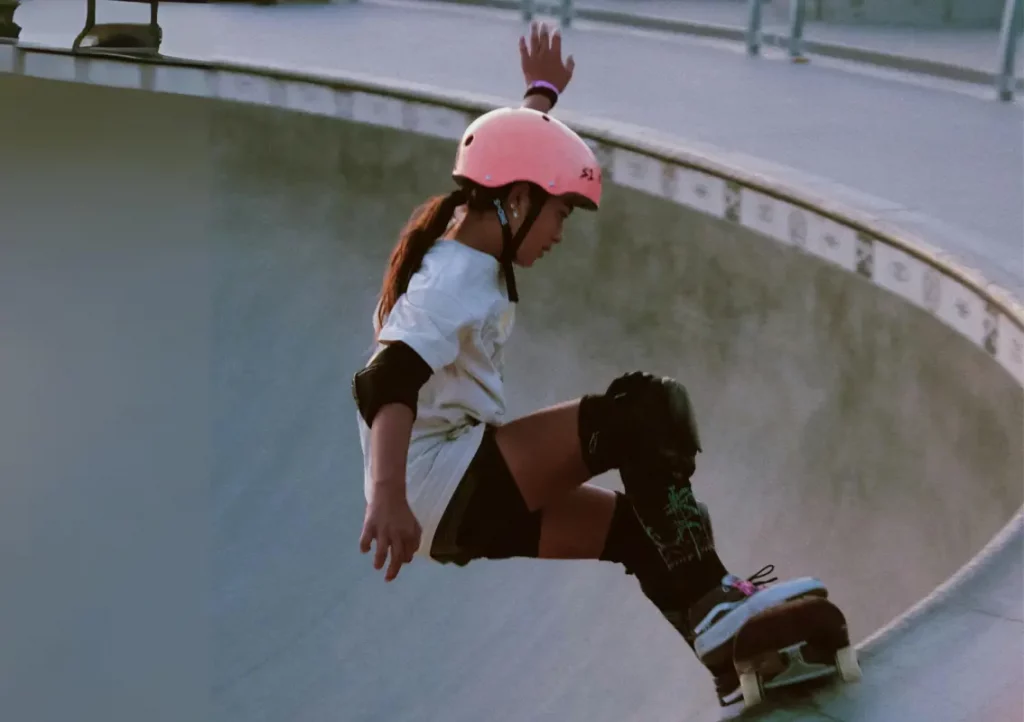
754,582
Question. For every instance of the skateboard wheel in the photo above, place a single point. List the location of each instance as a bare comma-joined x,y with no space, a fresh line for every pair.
750,686
847,664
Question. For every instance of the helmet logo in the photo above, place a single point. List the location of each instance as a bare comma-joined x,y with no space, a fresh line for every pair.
587,174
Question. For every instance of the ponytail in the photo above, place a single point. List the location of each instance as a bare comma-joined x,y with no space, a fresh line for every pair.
427,224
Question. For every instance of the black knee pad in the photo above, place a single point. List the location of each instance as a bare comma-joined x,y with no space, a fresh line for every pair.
639,415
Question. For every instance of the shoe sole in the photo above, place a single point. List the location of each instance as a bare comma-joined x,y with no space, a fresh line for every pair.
722,632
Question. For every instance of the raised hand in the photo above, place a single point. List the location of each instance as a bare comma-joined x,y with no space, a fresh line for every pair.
541,57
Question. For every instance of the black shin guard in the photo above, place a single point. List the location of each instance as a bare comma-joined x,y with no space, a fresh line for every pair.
677,524
672,593
645,427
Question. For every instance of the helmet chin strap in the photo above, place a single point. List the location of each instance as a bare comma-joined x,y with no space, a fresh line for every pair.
510,244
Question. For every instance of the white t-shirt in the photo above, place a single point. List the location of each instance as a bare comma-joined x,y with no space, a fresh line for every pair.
457,316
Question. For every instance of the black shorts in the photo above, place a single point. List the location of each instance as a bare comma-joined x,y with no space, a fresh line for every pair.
487,517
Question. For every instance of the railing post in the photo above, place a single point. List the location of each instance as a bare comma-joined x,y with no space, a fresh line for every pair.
527,8
797,18
565,13
1013,20
754,28
9,29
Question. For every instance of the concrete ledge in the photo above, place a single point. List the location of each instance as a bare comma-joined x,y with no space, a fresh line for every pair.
633,156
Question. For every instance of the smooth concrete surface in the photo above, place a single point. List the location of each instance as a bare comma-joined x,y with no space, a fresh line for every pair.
105,516
906,147
190,290
911,13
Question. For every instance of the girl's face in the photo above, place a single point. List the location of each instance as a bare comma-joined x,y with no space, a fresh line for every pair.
545,232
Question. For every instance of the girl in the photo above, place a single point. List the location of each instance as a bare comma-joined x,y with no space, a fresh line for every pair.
447,478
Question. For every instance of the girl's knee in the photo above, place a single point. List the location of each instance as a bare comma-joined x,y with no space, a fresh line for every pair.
640,415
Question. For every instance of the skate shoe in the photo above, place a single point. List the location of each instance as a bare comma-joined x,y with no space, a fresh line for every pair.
718,615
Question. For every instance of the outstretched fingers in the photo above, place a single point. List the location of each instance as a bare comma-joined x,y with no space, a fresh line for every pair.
398,557
541,57
367,537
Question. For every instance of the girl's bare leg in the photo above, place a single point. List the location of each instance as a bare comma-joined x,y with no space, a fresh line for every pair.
643,427
545,455
542,450
575,526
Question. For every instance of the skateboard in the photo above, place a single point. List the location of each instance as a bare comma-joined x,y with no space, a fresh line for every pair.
798,641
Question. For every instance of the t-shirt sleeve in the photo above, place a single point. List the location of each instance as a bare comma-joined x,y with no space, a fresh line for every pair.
429,322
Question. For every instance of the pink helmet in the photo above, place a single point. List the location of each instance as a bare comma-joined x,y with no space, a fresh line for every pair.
520,144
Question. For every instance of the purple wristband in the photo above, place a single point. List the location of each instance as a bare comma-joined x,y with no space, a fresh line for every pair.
543,84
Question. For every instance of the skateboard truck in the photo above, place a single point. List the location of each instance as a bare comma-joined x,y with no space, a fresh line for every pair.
799,670
134,39
797,641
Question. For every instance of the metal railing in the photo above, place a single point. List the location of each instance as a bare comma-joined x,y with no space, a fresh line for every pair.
1005,76
797,19
1006,80
1013,25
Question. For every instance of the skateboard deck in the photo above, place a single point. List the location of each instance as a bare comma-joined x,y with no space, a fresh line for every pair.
794,643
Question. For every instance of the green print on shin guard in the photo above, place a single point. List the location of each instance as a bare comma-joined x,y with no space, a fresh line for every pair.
681,530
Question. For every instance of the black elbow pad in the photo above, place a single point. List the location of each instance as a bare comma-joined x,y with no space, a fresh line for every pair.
396,375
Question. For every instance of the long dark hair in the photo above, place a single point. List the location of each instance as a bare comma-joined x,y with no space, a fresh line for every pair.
425,226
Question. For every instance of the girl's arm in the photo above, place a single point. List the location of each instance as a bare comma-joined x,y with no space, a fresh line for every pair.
541,59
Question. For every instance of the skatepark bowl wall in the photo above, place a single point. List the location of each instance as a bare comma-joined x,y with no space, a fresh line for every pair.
192,258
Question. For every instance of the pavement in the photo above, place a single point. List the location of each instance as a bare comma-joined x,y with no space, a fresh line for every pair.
183,303
967,53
